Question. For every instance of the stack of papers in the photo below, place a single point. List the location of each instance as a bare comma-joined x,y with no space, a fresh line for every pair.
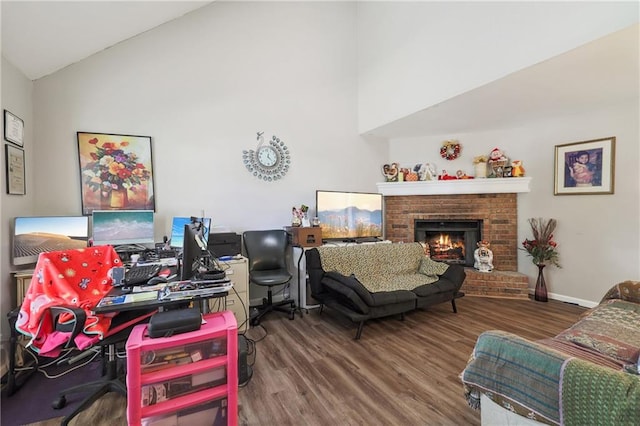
172,292
128,298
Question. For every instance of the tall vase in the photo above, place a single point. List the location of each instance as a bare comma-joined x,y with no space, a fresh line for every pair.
541,286
119,198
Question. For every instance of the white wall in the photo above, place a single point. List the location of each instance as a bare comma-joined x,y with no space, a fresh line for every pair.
16,97
598,235
414,55
202,86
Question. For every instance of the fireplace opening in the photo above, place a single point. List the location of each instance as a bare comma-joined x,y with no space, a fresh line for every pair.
449,241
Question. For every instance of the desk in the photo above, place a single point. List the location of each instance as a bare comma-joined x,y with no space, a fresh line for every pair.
156,303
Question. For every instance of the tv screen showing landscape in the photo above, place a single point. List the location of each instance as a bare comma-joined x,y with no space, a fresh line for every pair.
349,215
35,235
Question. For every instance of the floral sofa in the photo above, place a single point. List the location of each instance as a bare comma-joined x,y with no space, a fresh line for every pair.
586,375
366,281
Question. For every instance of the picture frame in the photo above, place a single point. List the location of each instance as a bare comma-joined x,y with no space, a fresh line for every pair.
586,167
13,128
116,172
15,170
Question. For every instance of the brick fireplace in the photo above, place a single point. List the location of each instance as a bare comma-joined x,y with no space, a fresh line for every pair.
498,212
406,203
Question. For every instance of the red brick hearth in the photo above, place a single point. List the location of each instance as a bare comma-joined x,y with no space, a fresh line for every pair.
499,214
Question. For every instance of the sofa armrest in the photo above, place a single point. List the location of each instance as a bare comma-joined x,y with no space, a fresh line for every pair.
352,283
455,274
345,295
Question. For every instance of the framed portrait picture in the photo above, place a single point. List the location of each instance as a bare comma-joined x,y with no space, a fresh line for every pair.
585,167
116,172
13,128
15,170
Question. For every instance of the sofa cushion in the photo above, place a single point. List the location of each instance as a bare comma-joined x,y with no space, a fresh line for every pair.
441,286
611,328
431,268
370,262
382,298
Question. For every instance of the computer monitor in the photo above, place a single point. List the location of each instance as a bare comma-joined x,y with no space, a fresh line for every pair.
191,252
121,227
35,235
177,229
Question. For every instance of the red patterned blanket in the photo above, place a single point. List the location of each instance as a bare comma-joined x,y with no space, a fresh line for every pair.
77,278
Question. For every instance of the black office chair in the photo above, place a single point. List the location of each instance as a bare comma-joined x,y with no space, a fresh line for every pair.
267,251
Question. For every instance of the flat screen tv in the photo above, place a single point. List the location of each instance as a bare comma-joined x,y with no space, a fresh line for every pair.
35,235
177,229
122,227
349,216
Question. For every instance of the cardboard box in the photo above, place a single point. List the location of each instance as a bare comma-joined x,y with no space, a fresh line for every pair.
305,236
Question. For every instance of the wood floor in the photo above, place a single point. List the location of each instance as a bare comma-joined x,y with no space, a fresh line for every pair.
310,371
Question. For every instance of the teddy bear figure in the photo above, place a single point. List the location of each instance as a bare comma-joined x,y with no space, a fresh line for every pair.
483,257
516,168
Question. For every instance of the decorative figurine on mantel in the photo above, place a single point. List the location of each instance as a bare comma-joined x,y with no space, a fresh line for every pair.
483,257
390,172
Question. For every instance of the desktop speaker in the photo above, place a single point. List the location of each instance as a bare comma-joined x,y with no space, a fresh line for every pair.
244,369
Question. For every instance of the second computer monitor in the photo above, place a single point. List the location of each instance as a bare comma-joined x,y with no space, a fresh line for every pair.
177,229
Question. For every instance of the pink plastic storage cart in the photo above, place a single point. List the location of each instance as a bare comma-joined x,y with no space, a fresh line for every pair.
186,379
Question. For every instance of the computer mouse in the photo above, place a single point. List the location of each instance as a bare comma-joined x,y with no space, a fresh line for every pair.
157,280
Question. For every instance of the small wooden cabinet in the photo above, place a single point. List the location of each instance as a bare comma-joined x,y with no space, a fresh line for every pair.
185,379
237,271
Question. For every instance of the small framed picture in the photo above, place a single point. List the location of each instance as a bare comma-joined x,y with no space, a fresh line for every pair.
13,128
586,167
15,170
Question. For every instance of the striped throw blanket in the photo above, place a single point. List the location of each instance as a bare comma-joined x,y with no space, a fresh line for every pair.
549,386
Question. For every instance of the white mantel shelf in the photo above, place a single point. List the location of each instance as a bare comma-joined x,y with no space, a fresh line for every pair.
457,186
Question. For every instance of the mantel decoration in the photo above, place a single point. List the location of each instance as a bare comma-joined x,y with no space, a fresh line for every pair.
269,161
450,150
543,251
116,172
480,166
391,171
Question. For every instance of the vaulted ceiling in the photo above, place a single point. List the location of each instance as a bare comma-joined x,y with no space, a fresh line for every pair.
40,38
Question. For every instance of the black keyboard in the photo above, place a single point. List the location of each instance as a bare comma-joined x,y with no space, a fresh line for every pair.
141,273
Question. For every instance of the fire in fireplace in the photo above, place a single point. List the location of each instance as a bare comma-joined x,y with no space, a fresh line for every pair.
449,241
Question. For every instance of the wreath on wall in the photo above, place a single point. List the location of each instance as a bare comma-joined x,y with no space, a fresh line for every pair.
450,150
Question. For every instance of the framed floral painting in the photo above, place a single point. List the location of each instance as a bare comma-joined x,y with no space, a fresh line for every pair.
116,172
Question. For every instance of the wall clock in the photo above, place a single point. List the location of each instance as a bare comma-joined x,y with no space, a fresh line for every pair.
269,161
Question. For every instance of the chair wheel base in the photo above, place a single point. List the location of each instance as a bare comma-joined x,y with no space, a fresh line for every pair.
59,402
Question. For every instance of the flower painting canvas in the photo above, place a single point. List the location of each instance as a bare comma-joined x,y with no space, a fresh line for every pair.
116,172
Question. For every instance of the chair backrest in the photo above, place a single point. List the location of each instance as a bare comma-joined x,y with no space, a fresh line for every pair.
266,250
